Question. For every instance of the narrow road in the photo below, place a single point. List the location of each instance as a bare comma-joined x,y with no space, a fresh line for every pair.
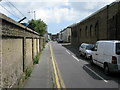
77,72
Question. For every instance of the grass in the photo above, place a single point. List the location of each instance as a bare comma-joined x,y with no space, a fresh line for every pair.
28,72
36,59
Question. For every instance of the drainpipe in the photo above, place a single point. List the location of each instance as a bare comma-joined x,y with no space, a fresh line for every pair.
117,15
107,22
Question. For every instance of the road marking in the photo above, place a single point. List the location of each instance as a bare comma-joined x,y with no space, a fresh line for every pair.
58,77
61,80
55,71
67,51
97,74
75,58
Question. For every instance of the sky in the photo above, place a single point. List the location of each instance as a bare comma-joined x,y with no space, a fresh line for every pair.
57,14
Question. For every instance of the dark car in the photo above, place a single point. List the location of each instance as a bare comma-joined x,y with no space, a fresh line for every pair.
60,41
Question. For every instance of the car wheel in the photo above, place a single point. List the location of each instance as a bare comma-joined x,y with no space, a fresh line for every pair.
85,56
91,61
106,69
90,58
80,53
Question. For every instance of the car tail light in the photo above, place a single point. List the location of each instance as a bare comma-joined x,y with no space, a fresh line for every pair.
114,60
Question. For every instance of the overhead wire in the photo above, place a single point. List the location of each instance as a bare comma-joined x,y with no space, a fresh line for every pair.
8,11
17,9
10,6
9,3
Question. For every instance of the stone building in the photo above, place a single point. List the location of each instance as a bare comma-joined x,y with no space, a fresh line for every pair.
54,37
66,34
101,25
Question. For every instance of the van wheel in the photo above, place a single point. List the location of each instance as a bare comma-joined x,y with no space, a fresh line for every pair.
106,69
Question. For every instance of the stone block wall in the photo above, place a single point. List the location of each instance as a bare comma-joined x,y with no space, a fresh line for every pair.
101,25
19,46
29,60
12,61
34,47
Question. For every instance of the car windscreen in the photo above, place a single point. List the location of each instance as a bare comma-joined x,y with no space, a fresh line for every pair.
89,47
118,48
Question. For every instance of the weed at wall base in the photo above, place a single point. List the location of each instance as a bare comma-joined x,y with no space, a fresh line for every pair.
36,59
28,72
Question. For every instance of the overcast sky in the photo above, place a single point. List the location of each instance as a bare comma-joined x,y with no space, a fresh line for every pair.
57,14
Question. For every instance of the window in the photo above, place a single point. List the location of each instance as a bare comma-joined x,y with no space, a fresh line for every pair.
118,48
75,33
86,32
96,29
95,47
80,32
91,30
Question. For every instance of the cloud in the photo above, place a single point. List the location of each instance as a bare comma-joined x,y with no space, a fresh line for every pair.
62,1
57,14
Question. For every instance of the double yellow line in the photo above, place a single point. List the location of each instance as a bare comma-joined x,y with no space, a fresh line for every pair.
58,77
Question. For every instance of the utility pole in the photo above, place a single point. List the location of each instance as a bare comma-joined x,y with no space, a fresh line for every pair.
34,14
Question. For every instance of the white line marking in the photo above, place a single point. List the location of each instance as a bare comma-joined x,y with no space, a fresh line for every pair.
97,74
67,51
75,57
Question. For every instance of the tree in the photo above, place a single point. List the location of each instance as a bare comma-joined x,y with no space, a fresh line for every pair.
38,25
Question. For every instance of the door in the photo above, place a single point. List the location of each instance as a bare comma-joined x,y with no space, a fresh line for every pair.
118,54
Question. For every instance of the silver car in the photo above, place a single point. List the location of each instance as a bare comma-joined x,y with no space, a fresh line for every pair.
85,50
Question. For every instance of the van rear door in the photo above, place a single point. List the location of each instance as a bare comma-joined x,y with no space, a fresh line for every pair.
118,54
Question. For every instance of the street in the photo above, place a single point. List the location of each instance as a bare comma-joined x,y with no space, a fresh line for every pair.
60,44
76,71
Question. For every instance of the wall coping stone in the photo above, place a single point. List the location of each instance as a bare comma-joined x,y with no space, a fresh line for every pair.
4,17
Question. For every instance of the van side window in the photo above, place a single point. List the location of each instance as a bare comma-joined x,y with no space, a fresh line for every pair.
95,47
118,48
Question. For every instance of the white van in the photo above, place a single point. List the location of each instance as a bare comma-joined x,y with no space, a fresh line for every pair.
106,54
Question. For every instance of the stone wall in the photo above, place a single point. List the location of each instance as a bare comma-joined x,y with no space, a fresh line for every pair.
101,25
12,61
19,46
29,58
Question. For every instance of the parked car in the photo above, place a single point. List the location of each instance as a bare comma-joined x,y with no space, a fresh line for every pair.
59,40
106,54
85,50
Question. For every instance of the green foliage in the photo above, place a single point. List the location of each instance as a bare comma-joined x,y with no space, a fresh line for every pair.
36,59
38,25
28,72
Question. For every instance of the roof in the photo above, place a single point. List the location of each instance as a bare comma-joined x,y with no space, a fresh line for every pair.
110,41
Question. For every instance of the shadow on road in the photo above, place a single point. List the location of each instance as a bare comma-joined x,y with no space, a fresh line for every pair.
95,68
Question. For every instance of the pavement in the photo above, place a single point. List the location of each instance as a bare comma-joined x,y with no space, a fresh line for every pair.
41,76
